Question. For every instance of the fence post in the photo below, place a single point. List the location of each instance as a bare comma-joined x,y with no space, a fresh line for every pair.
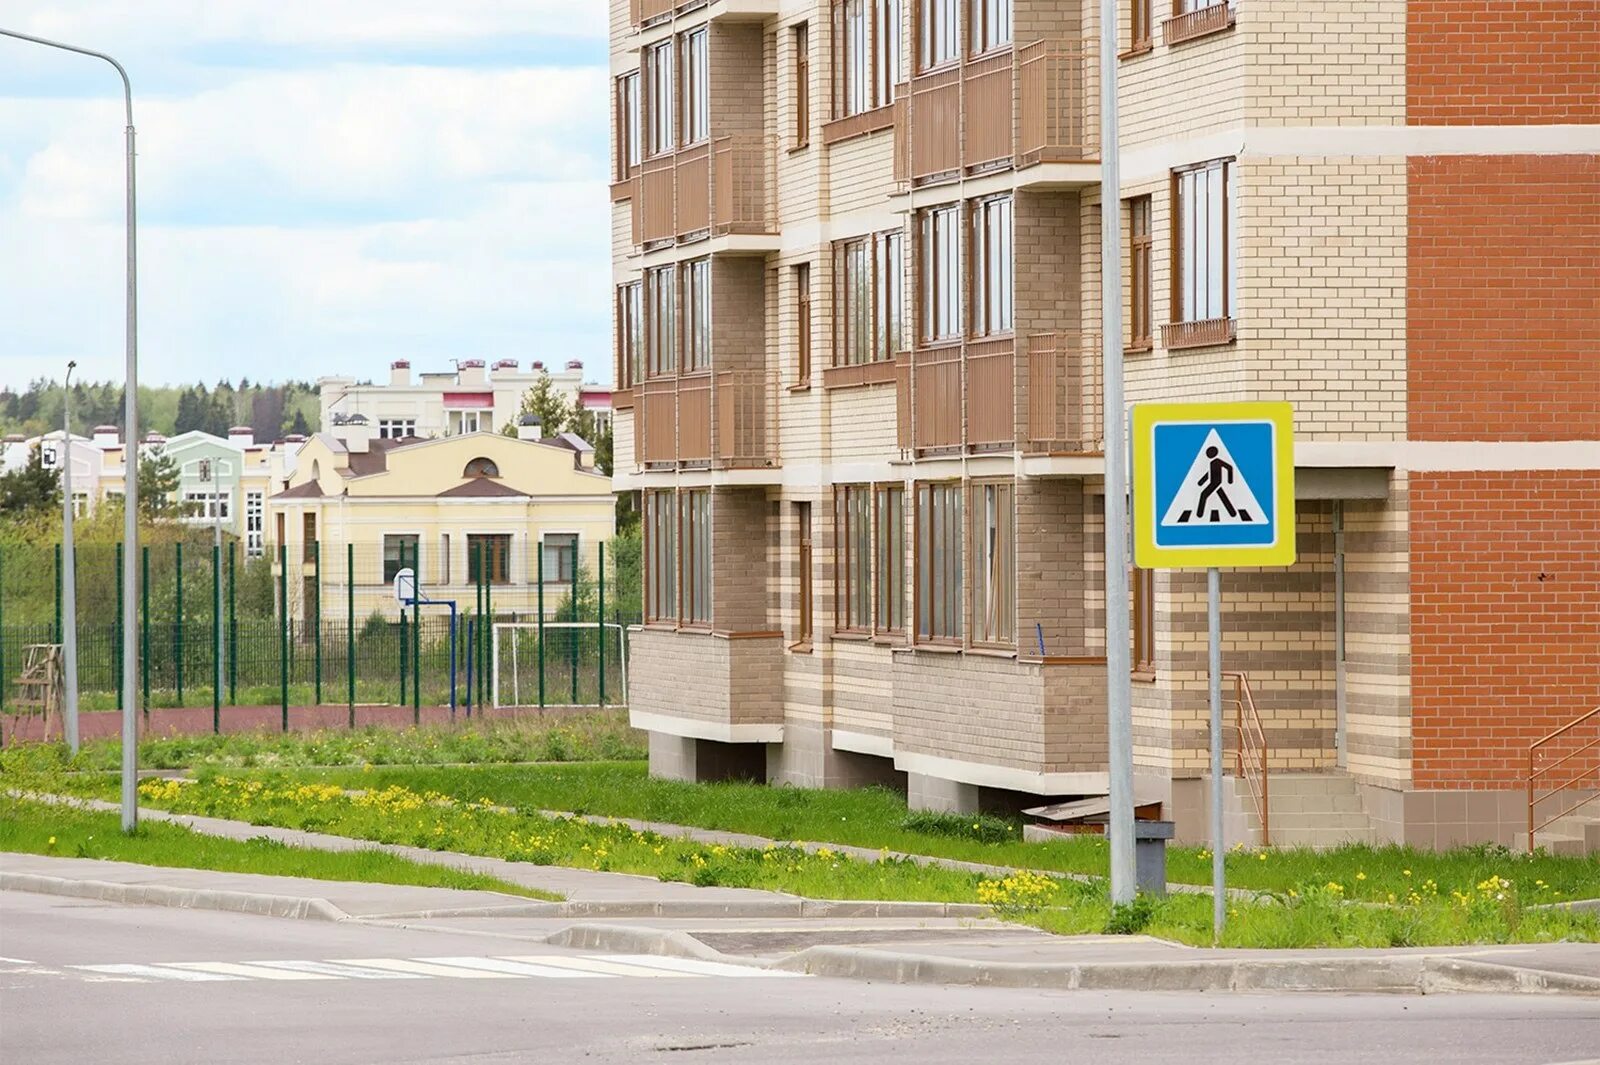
122,688
233,625
416,635
541,630
316,616
283,634
55,630
144,635
600,620
216,638
3,635
177,556
350,627
488,610
475,639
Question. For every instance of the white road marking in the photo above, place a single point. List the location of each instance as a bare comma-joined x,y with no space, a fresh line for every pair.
153,972
519,968
695,965
248,972
329,969
598,965
429,968
14,961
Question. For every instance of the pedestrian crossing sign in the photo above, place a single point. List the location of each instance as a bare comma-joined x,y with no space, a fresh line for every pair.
1213,485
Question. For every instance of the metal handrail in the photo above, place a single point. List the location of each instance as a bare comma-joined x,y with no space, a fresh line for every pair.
1252,757
1534,825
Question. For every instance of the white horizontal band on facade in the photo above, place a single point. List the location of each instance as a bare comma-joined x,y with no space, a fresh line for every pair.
719,731
863,743
995,776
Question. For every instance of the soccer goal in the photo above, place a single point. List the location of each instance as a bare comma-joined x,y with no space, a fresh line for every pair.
569,668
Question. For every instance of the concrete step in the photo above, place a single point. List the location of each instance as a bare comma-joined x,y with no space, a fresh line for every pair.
1311,784
1320,839
1554,843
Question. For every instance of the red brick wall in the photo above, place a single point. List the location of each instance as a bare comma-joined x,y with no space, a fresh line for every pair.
1499,62
1500,657
1503,297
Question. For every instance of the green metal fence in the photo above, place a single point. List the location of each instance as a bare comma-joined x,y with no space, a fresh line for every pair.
320,623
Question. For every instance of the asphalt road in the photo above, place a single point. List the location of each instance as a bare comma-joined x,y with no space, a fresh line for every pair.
88,981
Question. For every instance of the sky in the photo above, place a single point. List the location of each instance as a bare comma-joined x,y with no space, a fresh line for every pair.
323,186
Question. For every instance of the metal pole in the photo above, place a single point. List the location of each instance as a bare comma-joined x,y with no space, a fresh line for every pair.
1219,889
600,620
122,690
177,563
233,624
216,637
144,633
416,636
350,628
1119,690
452,660
69,643
316,617
404,671
55,627
541,630
130,519
484,679
283,633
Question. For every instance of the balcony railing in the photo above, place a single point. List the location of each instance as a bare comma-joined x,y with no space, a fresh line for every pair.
1022,107
991,393
1064,397
958,396
726,419
1213,18
713,189
643,11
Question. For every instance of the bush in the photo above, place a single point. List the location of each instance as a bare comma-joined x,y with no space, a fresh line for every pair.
1131,918
981,827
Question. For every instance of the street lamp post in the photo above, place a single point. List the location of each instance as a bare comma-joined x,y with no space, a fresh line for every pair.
130,453
69,572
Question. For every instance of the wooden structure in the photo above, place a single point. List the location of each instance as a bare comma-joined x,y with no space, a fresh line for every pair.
39,690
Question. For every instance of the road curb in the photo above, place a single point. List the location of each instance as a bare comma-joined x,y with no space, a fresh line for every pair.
263,905
1400,975
688,908
622,939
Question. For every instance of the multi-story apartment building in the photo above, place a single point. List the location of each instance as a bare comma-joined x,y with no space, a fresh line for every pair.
467,399
856,254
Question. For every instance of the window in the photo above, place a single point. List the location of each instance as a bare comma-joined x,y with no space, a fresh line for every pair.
489,554
939,562
994,582
991,267
802,521
630,334
461,422
396,428
627,121
871,298
444,558
801,38
937,22
255,541
886,51
561,557
696,94
1202,237
889,546
696,315
657,67
1140,19
1139,264
696,557
661,336
941,273
852,530
991,24
206,505
399,552
1144,619
481,467
866,44
802,312
661,555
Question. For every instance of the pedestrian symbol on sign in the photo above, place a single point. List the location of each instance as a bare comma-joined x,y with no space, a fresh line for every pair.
1214,491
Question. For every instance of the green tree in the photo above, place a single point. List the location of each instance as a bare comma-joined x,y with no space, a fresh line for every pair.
551,407
158,481
31,488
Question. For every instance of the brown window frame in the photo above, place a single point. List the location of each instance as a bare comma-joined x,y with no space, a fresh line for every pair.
694,315
694,94
1141,246
696,537
802,310
994,576
659,141
882,258
950,219
497,557
889,559
660,554
628,119
805,622
880,61
1140,22
923,46
940,599
1141,585
1184,329
853,553
630,334
997,213
800,45
981,38
660,338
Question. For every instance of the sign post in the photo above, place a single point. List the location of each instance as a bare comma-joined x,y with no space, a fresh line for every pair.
1213,487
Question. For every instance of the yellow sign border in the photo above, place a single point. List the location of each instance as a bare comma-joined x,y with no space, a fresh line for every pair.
1145,552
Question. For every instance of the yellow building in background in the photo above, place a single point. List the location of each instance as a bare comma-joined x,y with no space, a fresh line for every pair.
447,508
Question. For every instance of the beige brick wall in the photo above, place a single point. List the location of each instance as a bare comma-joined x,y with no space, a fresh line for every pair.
705,678
739,544
1324,62
1378,638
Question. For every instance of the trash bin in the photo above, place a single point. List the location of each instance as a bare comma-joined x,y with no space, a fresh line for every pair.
1150,855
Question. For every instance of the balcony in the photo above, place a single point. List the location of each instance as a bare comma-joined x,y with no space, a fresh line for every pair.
717,188
1064,394
964,396
1201,22
723,420
644,13
723,686
1019,108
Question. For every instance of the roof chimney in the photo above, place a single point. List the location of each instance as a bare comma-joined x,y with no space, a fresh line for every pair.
528,427
471,371
400,373
106,436
574,364
242,436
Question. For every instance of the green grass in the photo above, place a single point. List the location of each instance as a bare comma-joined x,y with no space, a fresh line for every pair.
878,819
601,734
45,828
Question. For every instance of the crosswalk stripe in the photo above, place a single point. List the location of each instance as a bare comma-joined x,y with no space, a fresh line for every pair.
694,965
429,968
153,972
329,969
598,965
248,972
14,961
519,968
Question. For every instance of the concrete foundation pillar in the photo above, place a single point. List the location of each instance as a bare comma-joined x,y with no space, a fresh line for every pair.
704,761
940,795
